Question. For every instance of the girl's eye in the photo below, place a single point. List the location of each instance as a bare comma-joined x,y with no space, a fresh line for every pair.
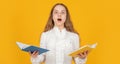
62,12
55,12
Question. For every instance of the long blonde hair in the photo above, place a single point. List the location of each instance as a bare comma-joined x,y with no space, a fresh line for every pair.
68,23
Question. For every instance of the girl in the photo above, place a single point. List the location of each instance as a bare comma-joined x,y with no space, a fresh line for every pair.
60,38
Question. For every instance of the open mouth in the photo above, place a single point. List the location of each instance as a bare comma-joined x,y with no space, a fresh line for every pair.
59,19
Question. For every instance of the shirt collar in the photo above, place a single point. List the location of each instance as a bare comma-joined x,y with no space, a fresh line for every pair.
58,32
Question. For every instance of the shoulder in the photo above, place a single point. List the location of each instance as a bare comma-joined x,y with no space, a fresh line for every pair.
46,33
73,35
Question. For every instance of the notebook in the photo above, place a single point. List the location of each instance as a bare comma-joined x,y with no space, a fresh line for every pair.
82,49
27,48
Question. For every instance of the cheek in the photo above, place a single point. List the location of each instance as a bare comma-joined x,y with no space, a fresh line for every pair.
64,18
54,17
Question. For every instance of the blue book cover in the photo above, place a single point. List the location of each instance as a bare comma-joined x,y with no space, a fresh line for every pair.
30,48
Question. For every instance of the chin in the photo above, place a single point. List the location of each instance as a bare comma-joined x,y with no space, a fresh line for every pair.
59,24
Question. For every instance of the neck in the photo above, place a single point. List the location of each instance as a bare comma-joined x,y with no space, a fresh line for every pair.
61,27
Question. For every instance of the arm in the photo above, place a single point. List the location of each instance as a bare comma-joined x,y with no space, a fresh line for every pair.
78,60
40,58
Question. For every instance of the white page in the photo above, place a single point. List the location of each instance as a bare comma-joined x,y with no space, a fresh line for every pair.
21,45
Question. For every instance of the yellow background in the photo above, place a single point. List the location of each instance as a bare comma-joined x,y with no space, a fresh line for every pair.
95,20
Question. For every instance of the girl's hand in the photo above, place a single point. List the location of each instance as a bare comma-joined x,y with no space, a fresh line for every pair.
34,54
83,55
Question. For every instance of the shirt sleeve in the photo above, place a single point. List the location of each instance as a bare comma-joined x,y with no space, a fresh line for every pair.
40,58
76,46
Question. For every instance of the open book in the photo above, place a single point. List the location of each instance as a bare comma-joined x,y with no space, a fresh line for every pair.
31,48
82,49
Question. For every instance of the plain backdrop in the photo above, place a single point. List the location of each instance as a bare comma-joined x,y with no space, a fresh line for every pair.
95,21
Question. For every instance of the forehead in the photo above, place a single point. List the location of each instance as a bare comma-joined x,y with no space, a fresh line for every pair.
59,7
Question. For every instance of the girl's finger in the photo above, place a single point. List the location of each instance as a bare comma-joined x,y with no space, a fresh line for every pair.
79,54
82,54
85,53
34,52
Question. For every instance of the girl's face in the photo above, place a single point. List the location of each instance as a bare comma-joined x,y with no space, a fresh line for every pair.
59,15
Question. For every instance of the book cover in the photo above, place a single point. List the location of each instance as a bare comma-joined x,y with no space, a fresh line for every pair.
31,48
82,49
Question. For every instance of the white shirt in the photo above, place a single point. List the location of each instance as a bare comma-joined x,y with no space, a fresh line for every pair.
61,44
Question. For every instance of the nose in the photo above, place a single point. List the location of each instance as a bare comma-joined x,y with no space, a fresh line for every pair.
59,14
